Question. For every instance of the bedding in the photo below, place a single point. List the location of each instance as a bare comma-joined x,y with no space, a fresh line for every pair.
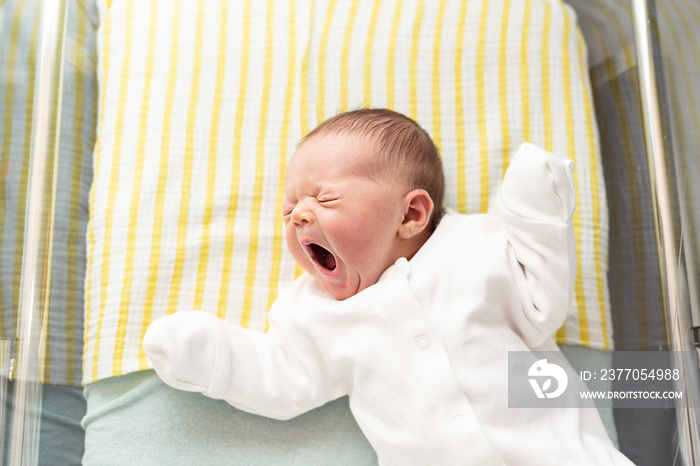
202,102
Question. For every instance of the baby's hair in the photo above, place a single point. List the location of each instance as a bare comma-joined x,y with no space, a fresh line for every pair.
404,148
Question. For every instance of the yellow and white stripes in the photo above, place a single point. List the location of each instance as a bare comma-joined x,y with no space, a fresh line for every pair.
203,107
185,198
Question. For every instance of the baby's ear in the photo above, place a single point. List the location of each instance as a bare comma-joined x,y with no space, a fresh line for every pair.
418,207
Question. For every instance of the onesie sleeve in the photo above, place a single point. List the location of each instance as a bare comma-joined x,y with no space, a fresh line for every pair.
257,372
536,203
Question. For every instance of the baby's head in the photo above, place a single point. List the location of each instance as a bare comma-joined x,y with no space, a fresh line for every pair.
362,190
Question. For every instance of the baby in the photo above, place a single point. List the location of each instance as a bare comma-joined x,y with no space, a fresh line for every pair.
406,308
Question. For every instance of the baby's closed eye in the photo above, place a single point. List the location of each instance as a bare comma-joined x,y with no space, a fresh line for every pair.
327,198
287,209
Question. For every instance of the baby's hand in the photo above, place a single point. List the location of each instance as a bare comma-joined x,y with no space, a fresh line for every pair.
539,186
182,349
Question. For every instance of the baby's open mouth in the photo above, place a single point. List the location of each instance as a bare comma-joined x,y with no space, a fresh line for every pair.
323,257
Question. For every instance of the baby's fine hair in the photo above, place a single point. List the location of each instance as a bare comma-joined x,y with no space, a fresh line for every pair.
403,146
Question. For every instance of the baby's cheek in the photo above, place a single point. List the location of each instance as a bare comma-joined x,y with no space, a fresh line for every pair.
361,249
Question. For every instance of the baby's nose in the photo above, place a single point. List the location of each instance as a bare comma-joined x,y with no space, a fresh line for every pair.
301,215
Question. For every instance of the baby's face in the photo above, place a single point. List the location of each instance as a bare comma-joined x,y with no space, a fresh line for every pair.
341,224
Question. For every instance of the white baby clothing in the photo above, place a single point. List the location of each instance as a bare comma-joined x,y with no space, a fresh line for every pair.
423,353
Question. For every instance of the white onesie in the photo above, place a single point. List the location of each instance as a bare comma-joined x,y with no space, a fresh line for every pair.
423,353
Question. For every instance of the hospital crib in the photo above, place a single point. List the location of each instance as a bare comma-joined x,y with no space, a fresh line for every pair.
634,61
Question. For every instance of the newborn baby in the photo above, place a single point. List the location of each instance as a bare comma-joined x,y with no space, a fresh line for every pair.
406,308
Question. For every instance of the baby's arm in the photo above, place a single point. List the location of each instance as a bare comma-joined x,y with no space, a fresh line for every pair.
537,202
253,371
